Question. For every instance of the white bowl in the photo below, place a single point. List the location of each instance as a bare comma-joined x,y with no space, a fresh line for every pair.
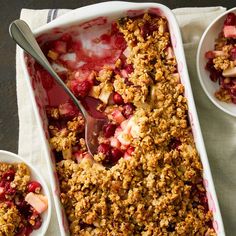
207,43
9,157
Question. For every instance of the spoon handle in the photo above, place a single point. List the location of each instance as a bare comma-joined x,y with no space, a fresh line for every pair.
23,36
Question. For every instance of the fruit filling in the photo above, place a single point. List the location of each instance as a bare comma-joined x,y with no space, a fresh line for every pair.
222,61
146,177
21,201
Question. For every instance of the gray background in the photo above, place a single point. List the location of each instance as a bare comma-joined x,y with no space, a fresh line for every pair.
10,10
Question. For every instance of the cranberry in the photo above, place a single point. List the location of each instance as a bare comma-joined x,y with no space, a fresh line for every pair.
9,190
38,223
23,208
233,92
174,143
116,154
82,88
29,230
2,183
2,196
109,130
230,19
233,53
104,148
147,29
117,98
21,231
130,150
119,41
34,187
214,74
9,175
128,110
129,68
9,203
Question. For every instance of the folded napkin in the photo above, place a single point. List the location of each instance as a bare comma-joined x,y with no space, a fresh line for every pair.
219,129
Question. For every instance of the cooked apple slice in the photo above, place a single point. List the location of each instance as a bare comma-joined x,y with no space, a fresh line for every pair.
37,201
117,116
106,92
230,72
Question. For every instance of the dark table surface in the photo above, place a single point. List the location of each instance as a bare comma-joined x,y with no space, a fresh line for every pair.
10,10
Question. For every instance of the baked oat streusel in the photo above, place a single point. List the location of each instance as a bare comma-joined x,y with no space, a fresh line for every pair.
147,176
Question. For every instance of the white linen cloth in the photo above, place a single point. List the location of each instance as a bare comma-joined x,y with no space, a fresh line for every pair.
219,129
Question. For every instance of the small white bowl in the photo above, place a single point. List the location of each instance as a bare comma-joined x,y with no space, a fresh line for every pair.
207,43
9,157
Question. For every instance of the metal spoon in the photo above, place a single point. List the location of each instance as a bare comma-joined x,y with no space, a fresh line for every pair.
23,36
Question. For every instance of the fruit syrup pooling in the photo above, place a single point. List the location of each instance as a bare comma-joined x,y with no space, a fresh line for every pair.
80,78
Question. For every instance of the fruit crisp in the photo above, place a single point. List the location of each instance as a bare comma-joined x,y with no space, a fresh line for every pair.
146,178
222,61
19,212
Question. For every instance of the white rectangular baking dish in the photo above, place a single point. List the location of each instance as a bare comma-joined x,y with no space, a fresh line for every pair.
111,11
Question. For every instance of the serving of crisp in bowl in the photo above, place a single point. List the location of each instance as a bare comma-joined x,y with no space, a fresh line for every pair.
216,61
25,203
150,175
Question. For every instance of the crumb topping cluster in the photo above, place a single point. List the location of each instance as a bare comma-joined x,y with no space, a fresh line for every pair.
146,178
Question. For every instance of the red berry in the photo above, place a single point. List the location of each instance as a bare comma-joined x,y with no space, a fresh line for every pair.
38,223
29,230
2,183
34,187
9,175
118,99
9,203
129,68
128,110
82,88
233,53
116,154
109,130
174,143
214,74
104,148
9,190
147,29
130,150
230,19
